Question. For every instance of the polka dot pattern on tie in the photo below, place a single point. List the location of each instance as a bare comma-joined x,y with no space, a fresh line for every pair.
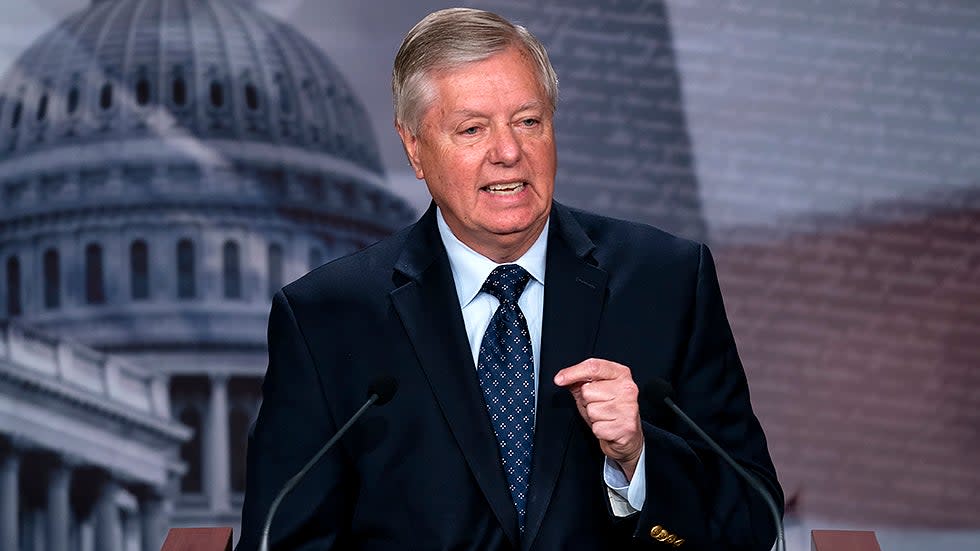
506,371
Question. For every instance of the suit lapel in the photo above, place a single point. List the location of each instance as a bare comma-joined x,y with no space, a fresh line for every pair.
574,294
429,310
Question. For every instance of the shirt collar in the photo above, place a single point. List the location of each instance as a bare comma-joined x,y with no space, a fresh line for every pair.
471,269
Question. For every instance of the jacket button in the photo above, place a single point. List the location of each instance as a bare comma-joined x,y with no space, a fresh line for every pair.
656,531
679,542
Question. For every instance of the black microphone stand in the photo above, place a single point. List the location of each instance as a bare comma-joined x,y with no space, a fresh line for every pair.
288,487
749,477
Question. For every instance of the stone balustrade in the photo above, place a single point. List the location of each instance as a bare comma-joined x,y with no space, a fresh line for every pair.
96,376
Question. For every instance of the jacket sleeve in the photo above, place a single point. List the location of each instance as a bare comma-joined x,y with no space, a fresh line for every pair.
691,493
292,424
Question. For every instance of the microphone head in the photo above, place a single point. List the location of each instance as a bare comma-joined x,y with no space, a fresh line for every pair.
657,389
384,387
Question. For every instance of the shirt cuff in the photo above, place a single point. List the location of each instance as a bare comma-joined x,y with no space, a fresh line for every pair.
626,496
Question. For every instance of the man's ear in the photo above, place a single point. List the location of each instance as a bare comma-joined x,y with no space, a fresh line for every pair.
410,142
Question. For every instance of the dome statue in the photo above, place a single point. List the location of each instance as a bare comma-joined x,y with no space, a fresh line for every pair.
165,167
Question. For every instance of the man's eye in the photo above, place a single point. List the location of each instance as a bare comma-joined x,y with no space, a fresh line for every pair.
530,122
471,131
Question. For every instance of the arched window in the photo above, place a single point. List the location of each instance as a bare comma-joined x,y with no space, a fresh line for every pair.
275,268
139,270
15,119
42,107
178,92
143,91
231,270
13,287
72,103
316,257
251,97
52,279
94,284
105,96
217,94
185,269
190,452
238,422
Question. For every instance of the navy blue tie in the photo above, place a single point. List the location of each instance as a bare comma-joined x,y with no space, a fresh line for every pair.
506,370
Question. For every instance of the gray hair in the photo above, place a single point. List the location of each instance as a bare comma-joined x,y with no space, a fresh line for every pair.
448,39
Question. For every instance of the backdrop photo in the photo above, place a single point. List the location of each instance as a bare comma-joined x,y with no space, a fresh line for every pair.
167,165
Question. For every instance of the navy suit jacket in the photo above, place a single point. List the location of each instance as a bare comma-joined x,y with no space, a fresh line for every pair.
423,472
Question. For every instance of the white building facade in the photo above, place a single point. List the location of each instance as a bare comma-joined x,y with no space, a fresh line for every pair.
89,454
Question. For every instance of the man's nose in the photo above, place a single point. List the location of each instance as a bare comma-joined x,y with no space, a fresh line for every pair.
505,148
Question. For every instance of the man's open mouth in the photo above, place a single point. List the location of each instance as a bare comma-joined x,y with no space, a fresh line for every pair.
505,189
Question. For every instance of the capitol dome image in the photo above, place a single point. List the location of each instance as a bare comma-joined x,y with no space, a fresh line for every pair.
165,167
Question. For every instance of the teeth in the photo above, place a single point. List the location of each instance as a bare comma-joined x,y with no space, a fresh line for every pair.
506,187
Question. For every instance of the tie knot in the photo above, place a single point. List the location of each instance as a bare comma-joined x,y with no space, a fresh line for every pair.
506,282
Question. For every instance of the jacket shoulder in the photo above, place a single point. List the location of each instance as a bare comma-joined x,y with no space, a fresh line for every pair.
368,271
618,241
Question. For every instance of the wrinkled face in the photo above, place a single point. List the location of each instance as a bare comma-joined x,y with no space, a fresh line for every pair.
486,151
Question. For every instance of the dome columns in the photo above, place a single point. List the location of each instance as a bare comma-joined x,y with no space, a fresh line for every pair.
86,501
152,518
217,445
10,459
108,529
59,503
63,510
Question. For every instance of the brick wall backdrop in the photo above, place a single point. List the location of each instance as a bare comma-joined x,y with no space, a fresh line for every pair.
863,344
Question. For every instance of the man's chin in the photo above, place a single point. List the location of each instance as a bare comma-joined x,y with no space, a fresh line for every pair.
515,220
516,232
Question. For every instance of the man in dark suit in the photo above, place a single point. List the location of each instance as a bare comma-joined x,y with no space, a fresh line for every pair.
520,332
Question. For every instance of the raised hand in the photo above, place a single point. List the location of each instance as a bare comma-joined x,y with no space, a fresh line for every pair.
607,398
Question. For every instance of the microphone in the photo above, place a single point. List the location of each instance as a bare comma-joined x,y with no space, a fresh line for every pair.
380,392
659,390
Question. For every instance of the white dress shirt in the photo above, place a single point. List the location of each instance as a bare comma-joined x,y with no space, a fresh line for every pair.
470,270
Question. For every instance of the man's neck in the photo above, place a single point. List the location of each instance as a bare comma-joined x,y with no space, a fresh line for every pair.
504,248
502,253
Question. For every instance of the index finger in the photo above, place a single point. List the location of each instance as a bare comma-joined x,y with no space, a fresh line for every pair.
592,369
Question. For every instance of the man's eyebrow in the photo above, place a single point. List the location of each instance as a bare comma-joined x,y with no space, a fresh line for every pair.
533,104
466,113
